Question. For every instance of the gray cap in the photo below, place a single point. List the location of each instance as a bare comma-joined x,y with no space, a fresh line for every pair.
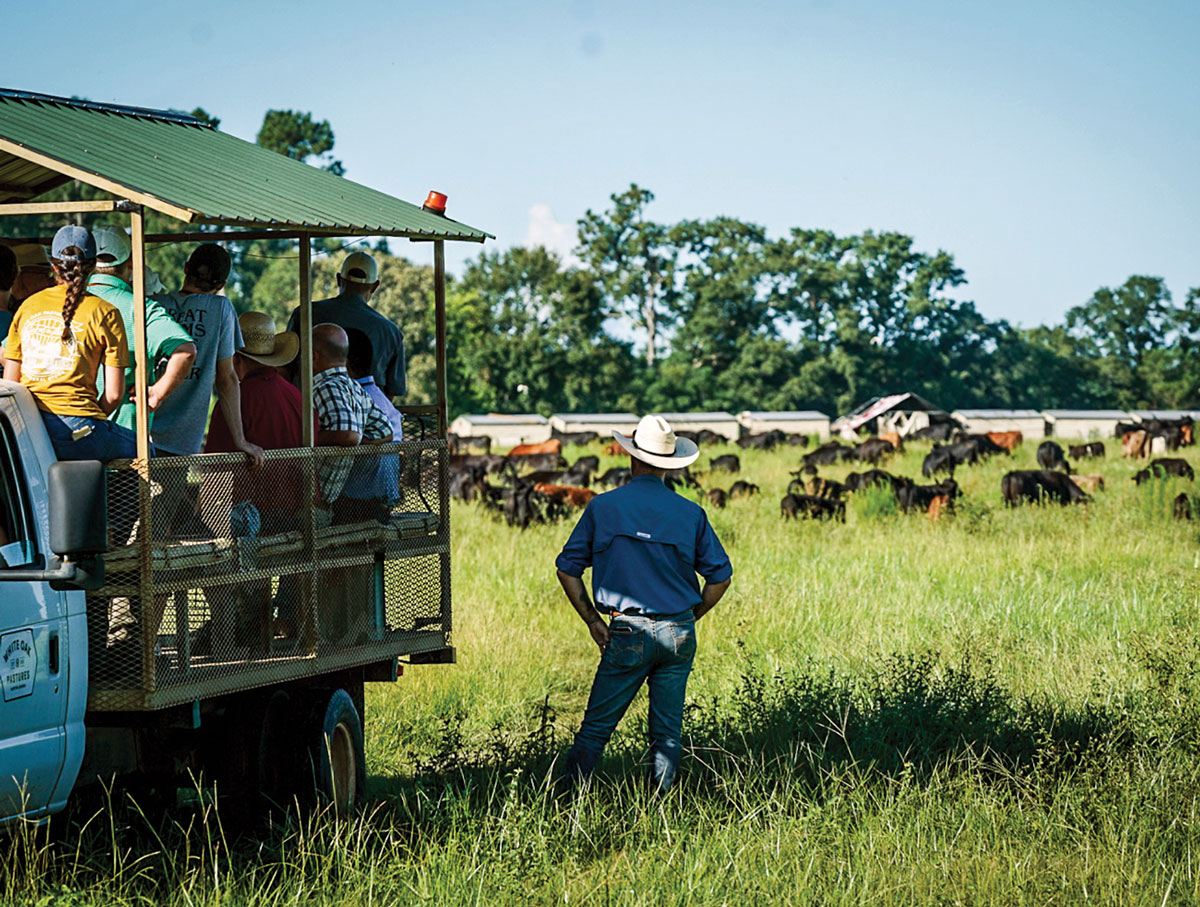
73,235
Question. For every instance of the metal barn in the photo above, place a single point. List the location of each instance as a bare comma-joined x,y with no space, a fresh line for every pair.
505,431
724,424
1084,424
1029,422
603,424
804,422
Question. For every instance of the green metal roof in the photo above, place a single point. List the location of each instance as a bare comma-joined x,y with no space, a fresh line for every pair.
186,169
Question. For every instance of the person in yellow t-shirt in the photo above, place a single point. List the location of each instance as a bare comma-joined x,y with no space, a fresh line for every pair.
58,341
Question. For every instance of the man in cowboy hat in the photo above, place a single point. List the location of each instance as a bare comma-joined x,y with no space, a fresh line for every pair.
645,545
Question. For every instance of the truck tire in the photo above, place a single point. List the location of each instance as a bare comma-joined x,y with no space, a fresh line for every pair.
338,759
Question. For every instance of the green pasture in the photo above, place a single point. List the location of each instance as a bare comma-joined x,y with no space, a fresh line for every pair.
999,707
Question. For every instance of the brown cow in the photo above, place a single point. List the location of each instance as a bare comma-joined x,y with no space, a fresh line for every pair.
1091,483
553,446
613,449
939,505
1185,434
1009,440
894,438
571,495
1135,444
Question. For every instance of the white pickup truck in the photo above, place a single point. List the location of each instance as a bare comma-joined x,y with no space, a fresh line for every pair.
232,640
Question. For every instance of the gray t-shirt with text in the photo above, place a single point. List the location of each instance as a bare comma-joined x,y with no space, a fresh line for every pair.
180,422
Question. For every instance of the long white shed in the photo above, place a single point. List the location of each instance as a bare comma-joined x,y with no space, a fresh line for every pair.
1029,422
1084,424
603,424
721,423
505,431
801,421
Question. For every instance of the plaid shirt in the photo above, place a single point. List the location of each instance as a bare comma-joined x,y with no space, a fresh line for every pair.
342,405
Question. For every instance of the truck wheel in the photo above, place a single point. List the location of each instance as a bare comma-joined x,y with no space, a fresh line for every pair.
339,763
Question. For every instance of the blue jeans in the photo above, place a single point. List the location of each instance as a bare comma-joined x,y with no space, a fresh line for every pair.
659,653
106,440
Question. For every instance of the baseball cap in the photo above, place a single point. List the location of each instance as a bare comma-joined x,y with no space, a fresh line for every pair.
360,268
73,235
112,242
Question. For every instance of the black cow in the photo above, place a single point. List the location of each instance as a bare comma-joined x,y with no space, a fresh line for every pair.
1086,451
575,437
727,462
590,463
795,439
491,463
618,475
767,440
740,489
1167,466
827,454
941,431
798,506
716,497
707,436
873,450
919,497
680,477
1051,456
1181,507
538,461
940,459
1039,485
858,480
818,488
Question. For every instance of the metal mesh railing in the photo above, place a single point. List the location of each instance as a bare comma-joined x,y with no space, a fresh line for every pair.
220,577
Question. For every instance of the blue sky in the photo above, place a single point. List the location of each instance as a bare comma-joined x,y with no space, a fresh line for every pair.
1051,147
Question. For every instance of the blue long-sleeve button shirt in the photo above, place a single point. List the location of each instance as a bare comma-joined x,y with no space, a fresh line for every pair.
645,545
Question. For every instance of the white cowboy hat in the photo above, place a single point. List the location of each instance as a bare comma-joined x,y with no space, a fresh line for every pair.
654,442
262,344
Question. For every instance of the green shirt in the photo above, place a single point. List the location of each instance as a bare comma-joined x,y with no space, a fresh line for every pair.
163,337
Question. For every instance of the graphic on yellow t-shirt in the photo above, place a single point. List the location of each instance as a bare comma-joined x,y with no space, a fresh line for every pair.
47,356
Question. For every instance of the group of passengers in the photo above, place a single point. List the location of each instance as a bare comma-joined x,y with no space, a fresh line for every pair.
67,335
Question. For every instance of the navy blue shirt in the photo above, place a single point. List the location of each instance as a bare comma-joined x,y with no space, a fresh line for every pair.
645,545
349,310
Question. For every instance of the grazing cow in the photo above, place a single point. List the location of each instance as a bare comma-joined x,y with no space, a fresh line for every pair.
1185,434
982,445
873,450
894,438
579,438
571,495
491,463
919,497
689,435
940,459
537,461
708,436
740,489
618,475
717,497
1090,483
673,477
767,440
726,462
797,506
818,487
1168,466
941,431
467,482
1039,485
828,454
1135,444
1006,440
553,446
590,463
1181,507
859,480
795,439
1094,450
1051,456
613,449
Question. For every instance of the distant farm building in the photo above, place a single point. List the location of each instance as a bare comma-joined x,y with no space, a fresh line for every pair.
603,424
803,422
1029,422
505,431
1084,424
723,424
1169,415
899,413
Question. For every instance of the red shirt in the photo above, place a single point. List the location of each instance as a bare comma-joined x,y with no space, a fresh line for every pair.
270,419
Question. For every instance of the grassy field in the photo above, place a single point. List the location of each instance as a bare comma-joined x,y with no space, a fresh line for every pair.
1000,707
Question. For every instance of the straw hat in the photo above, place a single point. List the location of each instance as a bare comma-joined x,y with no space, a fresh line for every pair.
654,442
262,344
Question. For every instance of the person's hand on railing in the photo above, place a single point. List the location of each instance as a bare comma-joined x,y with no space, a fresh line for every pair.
254,452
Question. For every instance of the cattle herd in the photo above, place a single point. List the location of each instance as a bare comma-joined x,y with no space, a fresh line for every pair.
535,482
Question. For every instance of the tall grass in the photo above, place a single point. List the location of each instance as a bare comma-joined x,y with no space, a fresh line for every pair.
999,707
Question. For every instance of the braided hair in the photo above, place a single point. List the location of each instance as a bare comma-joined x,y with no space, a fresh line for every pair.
74,273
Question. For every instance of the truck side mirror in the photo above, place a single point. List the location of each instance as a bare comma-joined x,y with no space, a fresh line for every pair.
78,499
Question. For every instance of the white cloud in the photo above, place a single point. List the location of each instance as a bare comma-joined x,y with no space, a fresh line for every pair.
544,230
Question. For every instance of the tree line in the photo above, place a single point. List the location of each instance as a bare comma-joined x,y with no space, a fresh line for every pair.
724,317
